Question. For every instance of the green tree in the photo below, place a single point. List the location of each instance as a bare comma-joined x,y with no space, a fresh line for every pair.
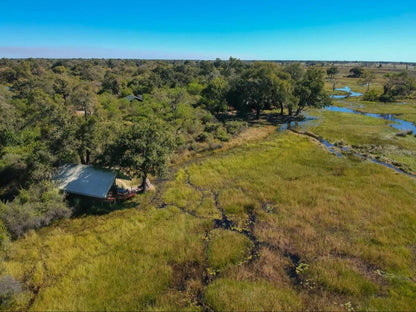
356,72
86,137
83,97
214,95
253,90
310,90
63,85
172,97
332,71
194,88
113,83
8,123
281,92
143,149
367,77
295,71
397,85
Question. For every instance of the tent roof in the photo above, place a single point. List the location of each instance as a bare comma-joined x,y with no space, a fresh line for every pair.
84,180
132,97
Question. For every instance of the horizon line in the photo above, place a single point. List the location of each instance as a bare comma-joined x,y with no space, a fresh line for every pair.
214,59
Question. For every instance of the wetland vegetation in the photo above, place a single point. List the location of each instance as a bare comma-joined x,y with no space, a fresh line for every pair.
245,216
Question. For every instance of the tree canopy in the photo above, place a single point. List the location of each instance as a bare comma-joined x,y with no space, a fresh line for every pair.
143,149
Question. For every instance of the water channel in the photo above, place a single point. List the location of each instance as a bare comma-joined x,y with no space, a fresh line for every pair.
397,123
346,89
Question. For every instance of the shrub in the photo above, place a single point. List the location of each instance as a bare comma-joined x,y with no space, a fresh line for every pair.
125,92
222,135
4,237
194,88
180,140
202,137
33,208
371,96
235,127
386,98
9,288
212,127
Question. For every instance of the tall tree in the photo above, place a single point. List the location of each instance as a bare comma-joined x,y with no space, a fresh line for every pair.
84,98
400,84
332,71
356,72
143,149
310,90
214,95
295,71
253,90
367,77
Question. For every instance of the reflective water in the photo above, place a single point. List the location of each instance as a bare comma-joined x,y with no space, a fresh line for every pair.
298,123
398,124
346,89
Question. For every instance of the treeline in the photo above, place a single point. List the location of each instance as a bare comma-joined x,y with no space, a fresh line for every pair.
397,85
103,112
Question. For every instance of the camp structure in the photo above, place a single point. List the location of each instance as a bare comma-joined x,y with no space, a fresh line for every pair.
88,181
132,97
84,180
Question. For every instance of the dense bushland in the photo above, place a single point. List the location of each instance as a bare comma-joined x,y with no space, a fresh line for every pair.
101,111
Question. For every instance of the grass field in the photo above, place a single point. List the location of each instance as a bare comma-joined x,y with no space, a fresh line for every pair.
403,109
273,224
369,135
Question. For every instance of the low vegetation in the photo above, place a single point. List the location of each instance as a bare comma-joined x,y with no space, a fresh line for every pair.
328,234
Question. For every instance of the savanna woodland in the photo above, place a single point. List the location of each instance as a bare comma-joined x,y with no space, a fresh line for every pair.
260,185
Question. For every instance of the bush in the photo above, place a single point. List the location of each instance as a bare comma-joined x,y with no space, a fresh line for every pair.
125,92
33,208
212,127
9,288
4,236
194,88
222,135
202,137
371,96
386,98
235,127
180,140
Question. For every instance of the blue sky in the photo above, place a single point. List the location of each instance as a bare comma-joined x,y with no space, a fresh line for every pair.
269,30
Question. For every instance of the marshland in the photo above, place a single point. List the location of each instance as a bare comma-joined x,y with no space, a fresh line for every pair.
245,213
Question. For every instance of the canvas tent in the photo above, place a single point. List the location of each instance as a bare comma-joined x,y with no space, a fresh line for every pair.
132,97
84,180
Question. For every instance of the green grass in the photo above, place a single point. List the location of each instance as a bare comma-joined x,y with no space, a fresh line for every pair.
227,248
369,135
356,84
404,109
231,295
347,219
122,261
342,277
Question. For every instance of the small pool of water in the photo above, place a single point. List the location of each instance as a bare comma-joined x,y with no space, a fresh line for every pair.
398,124
298,123
330,147
346,89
